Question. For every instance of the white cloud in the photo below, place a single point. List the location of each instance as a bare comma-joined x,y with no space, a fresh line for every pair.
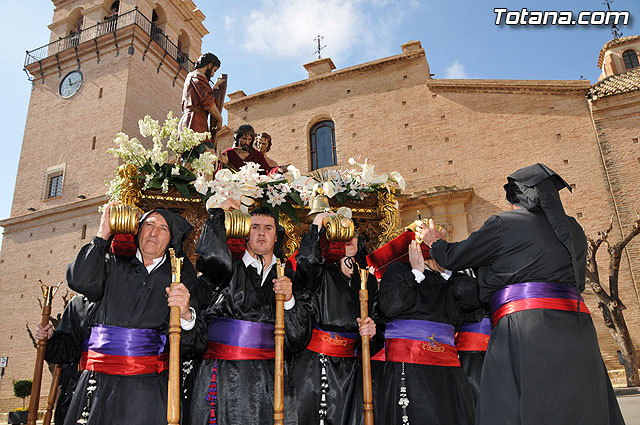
456,70
228,22
286,28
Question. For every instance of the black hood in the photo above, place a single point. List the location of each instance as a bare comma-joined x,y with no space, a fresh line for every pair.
178,227
537,187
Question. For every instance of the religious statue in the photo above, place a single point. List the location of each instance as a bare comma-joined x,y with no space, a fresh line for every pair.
200,100
244,151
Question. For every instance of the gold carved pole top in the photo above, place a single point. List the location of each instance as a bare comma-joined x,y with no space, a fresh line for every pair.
389,215
48,292
292,238
132,192
124,217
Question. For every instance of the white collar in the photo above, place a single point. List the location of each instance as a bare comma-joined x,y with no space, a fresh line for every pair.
156,262
248,260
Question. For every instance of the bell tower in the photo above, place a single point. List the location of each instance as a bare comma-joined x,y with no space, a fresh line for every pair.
106,65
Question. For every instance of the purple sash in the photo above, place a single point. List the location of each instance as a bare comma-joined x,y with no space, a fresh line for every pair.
114,350
421,330
231,339
117,341
535,295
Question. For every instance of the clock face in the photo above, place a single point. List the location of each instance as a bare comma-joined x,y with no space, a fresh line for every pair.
70,84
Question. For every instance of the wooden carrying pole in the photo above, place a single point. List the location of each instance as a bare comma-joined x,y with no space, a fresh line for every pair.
53,395
48,292
367,390
278,376
173,398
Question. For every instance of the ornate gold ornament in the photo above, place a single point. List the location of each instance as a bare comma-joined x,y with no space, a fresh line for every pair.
390,218
338,228
237,224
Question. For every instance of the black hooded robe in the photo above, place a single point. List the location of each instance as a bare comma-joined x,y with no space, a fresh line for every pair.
334,307
542,366
128,296
437,394
244,387
65,348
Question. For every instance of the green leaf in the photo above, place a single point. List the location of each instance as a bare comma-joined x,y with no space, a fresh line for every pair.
295,197
155,184
183,189
289,210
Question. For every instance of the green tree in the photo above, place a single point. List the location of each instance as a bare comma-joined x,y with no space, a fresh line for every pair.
22,389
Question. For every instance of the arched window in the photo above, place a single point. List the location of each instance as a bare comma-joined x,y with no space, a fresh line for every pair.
158,20
183,47
323,145
630,59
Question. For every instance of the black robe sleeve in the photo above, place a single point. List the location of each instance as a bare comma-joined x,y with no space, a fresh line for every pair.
193,342
214,256
65,346
465,291
481,248
310,262
298,325
88,273
398,291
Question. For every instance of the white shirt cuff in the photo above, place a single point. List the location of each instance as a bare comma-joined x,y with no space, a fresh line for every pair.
446,274
288,305
418,275
187,325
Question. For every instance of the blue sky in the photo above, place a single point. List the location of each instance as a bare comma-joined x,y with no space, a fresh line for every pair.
264,43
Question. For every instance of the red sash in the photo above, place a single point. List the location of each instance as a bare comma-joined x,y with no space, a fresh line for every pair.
332,344
110,364
421,352
216,350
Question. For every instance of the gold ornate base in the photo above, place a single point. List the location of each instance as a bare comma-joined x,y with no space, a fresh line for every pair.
376,217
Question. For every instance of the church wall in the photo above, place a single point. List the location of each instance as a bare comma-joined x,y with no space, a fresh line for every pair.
59,131
616,119
150,92
37,249
438,134
40,244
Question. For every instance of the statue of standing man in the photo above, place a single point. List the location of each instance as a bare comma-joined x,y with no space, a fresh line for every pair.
199,99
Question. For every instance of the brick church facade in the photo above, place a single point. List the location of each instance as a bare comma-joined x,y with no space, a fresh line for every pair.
454,141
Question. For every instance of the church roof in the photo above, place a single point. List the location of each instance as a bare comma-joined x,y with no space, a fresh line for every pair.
614,43
616,84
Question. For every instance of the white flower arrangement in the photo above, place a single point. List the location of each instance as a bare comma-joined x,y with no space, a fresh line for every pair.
191,169
280,191
190,161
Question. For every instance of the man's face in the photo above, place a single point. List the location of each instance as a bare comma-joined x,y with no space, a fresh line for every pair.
351,248
262,237
261,144
153,237
210,70
245,141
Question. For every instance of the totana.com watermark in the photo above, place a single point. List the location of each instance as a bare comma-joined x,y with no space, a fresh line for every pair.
564,17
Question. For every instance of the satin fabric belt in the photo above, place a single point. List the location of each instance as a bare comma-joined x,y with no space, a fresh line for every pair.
125,351
334,344
380,356
83,356
421,342
474,336
231,339
534,295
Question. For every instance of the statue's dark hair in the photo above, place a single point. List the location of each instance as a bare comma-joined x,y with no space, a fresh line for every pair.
206,59
241,131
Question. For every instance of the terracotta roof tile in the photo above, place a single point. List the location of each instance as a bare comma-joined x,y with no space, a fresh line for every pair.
616,84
